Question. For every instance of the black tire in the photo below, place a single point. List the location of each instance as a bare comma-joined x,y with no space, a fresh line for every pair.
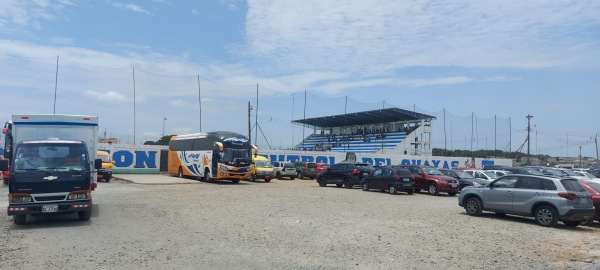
417,190
180,173
84,215
365,187
432,189
393,190
207,177
268,180
322,182
278,175
410,191
292,178
311,177
339,185
545,216
235,181
252,178
348,184
451,193
473,206
299,175
20,219
107,179
572,223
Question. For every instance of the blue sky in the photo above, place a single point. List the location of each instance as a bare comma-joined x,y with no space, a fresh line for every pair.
498,60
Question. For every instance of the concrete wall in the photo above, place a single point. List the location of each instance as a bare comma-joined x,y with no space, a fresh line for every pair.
134,158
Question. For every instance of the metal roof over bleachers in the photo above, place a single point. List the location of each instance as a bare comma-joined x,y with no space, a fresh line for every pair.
365,118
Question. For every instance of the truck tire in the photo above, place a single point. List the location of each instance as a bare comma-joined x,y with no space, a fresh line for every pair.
20,219
84,215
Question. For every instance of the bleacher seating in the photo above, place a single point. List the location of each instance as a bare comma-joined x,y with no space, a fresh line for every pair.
354,143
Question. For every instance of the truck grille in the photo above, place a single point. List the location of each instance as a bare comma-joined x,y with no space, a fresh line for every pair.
50,198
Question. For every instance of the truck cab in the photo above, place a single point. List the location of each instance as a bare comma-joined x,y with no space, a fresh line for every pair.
261,169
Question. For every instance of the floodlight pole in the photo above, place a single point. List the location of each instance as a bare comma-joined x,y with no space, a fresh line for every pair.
528,136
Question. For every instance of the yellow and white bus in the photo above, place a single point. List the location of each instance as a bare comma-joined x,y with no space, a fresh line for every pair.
218,155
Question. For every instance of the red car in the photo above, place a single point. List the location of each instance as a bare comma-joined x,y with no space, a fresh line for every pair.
594,189
431,179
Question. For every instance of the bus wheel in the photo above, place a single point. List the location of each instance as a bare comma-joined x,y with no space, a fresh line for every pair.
207,178
20,219
180,173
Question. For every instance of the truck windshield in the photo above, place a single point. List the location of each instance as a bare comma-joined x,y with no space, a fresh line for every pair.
50,156
264,164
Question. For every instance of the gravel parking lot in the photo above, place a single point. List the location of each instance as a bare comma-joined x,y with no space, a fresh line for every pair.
286,225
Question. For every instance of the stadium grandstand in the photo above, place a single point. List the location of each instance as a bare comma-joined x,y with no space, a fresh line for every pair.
391,130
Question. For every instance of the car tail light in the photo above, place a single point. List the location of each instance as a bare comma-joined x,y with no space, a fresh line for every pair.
568,195
398,178
355,171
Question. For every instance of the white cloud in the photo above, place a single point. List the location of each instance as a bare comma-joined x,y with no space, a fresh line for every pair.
384,35
131,7
108,96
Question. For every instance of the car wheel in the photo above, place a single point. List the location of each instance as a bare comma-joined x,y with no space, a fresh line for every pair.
299,175
348,184
365,187
278,175
432,189
572,223
207,177
312,177
473,206
292,178
451,193
107,179
268,180
393,190
417,190
322,182
339,185
545,216
587,222
410,191
180,173
20,219
84,215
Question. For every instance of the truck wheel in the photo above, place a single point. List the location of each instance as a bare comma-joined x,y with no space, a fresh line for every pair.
268,180
84,215
107,179
433,190
20,219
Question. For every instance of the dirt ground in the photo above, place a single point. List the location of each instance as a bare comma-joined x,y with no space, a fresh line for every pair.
286,224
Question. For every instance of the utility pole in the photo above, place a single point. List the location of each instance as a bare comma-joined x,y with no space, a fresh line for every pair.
597,160
528,131
163,133
579,156
249,129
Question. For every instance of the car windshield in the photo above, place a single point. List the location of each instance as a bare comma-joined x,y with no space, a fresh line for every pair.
491,175
105,159
264,164
462,174
432,171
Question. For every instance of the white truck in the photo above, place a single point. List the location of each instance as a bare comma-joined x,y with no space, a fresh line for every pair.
284,169
53,165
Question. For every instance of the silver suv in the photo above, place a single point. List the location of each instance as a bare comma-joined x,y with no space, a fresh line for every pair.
547,199
284,169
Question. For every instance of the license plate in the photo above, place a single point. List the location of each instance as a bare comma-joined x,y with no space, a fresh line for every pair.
405,179
365,173
583,200
453,185
50,208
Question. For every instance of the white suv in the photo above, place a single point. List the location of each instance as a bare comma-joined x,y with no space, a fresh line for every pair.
284,169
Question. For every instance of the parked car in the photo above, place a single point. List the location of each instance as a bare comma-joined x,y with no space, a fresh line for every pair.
343,175
393,179
481,174
464,179
494,167
432,180
594,189
313,169
595,172
547,199
300,169
284,169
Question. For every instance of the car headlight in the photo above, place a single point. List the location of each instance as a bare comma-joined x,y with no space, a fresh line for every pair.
476,184
78,195
444,181
19,199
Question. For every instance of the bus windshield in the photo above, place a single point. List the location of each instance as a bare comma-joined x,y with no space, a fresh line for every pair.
236,156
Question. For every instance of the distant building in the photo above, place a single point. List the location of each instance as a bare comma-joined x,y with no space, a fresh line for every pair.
109,140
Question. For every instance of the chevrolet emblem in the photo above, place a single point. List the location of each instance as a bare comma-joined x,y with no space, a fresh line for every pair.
51,177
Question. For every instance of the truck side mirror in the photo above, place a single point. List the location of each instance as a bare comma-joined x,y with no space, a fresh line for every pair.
4,165
98,164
